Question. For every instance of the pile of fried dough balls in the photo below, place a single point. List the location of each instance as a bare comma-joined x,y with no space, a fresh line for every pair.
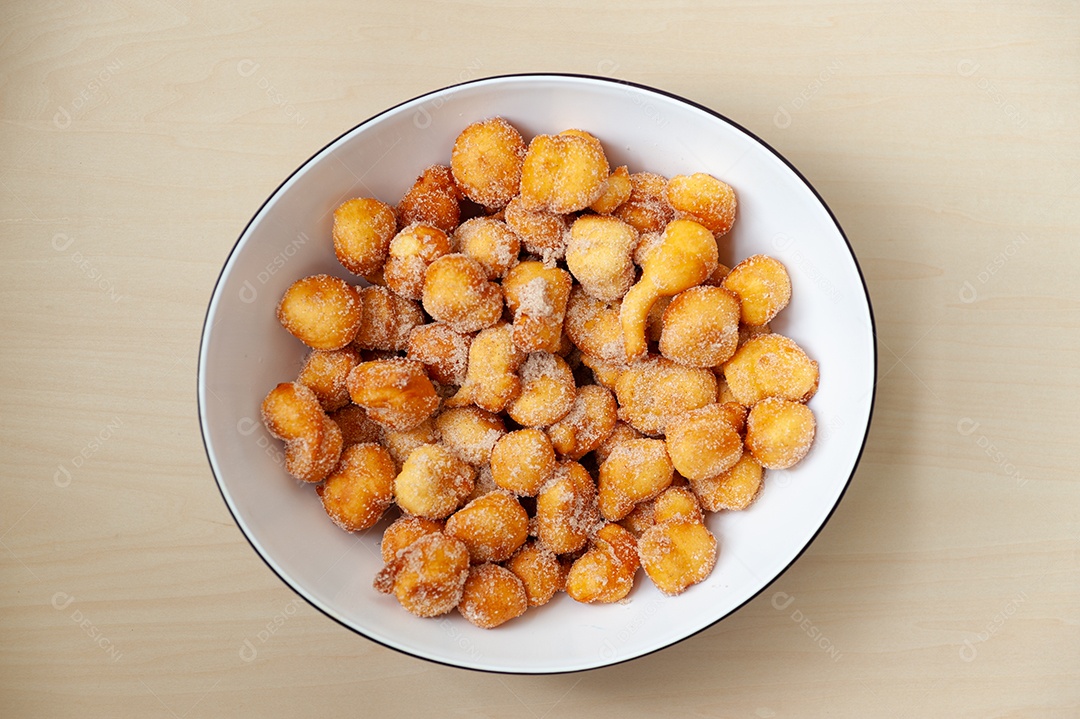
547,371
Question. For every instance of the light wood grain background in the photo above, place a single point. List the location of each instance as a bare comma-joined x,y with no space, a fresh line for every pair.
139,137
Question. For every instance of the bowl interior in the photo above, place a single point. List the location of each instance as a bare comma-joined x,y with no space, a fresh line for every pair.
245,352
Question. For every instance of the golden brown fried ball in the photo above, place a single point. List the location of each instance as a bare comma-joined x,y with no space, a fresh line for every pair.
362,231
457,292
388,320
522,461
701,327
470,432
491,380
325,372
619,433
763,287
703,443
321,311
677,554
490,242
540,571
537,295
433,482
566,510
771,365
599,254
779,432
360,488
734,489
428,578
432,200
356,426
594,327
647,207
396,393
654,391
563,173
590,420
542,233
313,442
411,251
677,504
486,162
705,199
492,526
401,443
493,595
635,471
605,573
444,352
547,391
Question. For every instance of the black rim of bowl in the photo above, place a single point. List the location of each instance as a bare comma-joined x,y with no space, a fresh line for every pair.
612,81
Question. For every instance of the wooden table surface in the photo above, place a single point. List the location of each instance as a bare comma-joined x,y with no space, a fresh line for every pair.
139,138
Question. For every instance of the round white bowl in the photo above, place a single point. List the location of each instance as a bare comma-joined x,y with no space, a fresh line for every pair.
245,352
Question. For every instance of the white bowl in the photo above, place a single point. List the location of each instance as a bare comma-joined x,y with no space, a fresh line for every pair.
245,352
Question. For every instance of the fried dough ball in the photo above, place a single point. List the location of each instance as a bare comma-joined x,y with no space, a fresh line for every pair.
704,199
647,207
604,372
428,578
656,390
356,426
677,554
701,327
362,231
702,443
396,393
402,532
522,461
492,526
470,433
486,162
542,233
677,504
540,571
310,459
684,258
619,433
547,391
762,285
432,200
401,443
433,482
325,372
734,414
538,296
411,251
566,509
457,292
493,595
635,471
563,173
616,191
491,381
599,254
594,327
388,320
771,365
590,420
779,432
443,352
360,488
734,489
321,311
605,573
490,242
313,442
